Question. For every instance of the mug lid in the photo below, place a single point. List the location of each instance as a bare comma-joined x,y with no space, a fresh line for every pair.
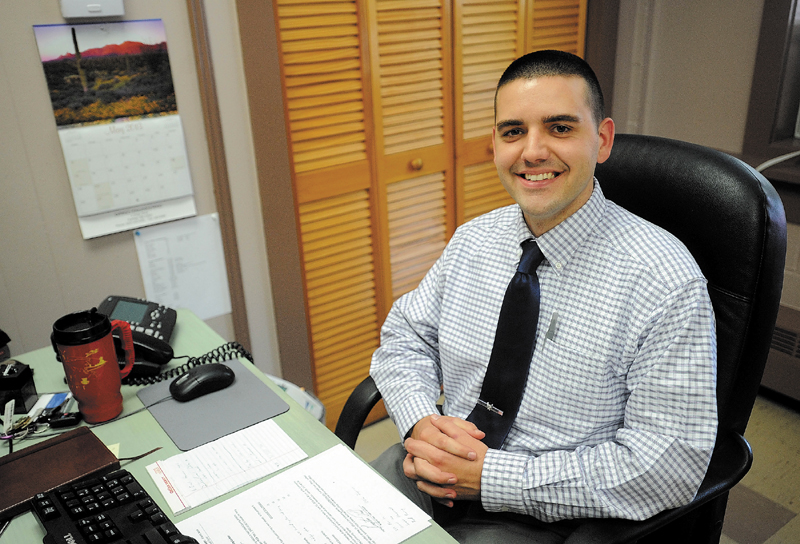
81,328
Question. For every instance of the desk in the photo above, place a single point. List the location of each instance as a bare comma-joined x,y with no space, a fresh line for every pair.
140,433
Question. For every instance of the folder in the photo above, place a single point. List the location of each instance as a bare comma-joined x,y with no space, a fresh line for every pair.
50,464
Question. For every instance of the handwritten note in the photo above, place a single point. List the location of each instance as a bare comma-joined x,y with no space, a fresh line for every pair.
333,497
213,469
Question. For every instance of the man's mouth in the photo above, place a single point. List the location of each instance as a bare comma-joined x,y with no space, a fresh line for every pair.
539,177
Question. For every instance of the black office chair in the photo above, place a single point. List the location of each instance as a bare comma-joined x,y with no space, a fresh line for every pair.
732,221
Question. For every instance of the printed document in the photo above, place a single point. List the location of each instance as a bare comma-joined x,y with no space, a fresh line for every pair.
209,471
330,498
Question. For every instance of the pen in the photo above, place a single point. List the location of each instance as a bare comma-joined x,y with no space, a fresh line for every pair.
551,331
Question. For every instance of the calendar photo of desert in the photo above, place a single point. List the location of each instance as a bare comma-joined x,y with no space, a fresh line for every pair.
102,72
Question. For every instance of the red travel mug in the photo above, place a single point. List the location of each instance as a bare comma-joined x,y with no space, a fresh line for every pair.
85,346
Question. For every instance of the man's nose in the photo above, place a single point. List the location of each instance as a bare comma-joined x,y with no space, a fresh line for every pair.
535,149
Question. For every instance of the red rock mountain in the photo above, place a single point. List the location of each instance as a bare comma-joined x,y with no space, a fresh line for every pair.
117,50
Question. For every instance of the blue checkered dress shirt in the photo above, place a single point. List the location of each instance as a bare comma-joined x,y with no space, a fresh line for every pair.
619,413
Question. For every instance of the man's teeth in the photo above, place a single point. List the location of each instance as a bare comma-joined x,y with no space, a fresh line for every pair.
540,177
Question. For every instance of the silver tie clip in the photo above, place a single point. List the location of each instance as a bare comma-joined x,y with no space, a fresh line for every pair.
491,407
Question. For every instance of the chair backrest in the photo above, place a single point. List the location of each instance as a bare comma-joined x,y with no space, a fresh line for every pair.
732,220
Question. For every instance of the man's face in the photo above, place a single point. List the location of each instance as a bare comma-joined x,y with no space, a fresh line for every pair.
546,146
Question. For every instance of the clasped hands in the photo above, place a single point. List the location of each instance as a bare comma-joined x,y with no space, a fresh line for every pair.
445,458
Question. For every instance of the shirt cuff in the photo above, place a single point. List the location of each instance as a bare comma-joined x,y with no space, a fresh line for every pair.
410,411
502,481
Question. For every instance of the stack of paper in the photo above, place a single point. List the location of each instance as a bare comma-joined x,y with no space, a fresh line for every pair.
213,469
331,498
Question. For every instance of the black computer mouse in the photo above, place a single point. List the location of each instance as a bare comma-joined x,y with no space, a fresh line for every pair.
200,381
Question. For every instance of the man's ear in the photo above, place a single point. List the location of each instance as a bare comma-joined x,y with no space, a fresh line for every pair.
494,134
606,135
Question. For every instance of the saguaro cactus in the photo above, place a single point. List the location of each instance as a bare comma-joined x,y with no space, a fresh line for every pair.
81,73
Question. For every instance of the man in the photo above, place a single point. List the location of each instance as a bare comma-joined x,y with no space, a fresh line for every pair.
618,414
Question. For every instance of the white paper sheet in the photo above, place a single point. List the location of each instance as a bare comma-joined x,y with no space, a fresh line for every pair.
189,479
331,498
183,265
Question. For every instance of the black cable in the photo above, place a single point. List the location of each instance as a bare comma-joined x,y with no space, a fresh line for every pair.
226,352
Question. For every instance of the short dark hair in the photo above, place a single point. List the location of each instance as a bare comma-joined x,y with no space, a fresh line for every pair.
556,63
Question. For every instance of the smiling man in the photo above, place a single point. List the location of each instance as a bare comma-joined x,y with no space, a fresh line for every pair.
616,411
546,159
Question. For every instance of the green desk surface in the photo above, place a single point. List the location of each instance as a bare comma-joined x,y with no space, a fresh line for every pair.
140,433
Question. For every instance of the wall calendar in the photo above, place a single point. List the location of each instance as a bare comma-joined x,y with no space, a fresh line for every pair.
114,104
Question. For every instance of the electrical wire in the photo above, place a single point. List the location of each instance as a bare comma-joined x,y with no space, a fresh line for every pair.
226,352
772,162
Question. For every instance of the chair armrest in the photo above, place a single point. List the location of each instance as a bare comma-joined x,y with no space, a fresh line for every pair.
730,461
358,406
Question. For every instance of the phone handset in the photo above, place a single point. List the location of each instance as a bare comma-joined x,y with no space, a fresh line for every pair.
151,326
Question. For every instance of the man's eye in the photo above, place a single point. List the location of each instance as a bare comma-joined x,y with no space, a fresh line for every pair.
561,129
510,133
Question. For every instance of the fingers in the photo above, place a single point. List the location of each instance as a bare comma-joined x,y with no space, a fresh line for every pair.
451,435
445,458
439,493
417,468
467,426
453,427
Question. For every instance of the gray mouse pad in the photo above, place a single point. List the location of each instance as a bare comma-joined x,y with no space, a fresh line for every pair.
245,402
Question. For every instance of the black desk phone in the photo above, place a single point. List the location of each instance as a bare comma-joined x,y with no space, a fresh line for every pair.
151,327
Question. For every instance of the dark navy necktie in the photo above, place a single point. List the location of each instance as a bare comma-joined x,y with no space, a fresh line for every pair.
507,372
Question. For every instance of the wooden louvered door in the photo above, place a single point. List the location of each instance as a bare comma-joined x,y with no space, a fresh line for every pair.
410,67
488,35
557,24
328,115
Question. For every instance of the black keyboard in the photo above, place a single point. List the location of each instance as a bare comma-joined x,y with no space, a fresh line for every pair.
107,509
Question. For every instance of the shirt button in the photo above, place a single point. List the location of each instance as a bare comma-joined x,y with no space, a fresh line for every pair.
559,266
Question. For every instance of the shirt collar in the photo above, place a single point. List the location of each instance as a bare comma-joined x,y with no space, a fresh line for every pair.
561,242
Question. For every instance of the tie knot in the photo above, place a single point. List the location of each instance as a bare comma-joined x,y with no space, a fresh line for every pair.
531,257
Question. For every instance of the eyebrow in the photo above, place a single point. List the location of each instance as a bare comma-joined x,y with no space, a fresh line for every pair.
562,118
510,123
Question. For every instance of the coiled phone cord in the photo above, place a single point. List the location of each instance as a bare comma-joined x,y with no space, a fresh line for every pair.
226,352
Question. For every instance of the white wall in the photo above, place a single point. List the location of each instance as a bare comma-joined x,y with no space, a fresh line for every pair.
684,71
685,67
226,55
46,268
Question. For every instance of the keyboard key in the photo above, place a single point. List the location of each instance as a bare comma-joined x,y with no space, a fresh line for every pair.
168,529
112,509
137,516
154,537
49,513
